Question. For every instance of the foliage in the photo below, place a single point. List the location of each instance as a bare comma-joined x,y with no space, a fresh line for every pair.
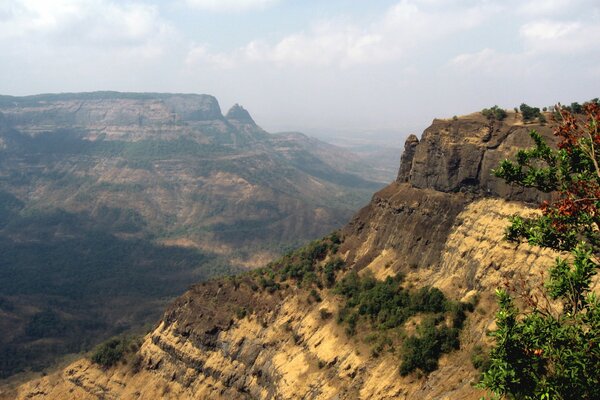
386,305
494,112
423,351
529,113
551,348
315,264
114,350
74,270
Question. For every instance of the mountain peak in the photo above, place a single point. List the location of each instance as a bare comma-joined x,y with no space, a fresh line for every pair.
239,114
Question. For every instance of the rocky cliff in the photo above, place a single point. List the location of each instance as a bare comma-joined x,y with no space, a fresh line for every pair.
440,224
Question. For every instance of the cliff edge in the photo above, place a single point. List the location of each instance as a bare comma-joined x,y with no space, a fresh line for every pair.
439,224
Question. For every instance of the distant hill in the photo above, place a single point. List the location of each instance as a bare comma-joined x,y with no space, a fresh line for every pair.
113,203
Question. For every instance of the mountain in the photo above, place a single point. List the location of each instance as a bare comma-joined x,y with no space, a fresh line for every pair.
112,204
395,305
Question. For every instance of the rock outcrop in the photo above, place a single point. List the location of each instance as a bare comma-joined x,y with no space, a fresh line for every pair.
440,224
240,114
458,155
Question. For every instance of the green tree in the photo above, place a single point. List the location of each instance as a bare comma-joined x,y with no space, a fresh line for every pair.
549,347
528,112
494,112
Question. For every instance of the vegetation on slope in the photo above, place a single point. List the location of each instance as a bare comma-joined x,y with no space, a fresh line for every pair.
549,347
78,280
116,349
378,310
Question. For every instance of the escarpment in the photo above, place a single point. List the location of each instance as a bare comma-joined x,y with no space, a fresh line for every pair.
274,334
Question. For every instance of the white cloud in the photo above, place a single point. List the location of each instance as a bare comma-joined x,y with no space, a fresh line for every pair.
200,54
548,30
561,37
230,5
403,29
544,7
493,63
86,23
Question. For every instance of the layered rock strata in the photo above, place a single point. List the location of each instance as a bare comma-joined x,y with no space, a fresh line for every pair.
441,223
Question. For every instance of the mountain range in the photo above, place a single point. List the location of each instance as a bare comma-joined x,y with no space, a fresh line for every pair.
113,203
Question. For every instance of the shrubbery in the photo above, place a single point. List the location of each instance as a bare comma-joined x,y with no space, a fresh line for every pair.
494,112
387,305
304,266
423,351
529,113
547,346
114,350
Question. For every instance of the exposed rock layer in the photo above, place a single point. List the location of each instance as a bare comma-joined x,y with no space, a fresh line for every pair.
441,224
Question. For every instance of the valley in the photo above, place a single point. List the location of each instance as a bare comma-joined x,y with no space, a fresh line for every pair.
111,204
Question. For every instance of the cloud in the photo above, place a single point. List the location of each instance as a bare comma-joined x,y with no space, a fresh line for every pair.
561,37
548,30
201,55
493,63
544,7
402,30
97,23
230,5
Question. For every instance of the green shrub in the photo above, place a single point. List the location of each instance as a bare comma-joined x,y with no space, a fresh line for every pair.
109,353
114,350
386,305
549,349
494,113
529,113
423,351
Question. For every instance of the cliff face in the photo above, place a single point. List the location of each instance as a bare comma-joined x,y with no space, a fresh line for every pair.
441,224
457,156
107,109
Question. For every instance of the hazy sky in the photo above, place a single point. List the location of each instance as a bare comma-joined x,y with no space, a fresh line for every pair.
312,65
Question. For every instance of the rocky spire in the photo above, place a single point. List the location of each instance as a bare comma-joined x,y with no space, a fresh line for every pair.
239,113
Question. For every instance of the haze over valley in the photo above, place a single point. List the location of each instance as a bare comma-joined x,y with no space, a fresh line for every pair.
113,203
311,200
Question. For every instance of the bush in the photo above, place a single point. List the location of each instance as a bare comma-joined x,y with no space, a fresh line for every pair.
324,313
109,353
114,350
494,113
386,305
529,113
549,349
423,351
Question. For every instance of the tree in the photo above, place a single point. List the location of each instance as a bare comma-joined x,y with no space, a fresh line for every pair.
494,112
528,112
549,347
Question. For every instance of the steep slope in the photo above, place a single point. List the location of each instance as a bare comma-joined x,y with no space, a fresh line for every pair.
112,204
270,334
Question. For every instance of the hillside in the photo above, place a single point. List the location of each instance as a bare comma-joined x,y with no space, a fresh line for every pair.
317,324
112,204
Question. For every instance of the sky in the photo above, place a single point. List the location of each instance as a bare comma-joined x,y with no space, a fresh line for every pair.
356,68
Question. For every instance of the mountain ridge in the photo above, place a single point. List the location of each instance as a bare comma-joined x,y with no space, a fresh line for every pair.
440,227
191,193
